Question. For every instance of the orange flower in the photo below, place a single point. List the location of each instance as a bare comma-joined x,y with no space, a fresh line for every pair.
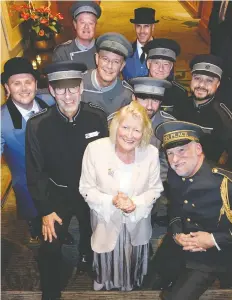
41,32
60,16
25,16
43,21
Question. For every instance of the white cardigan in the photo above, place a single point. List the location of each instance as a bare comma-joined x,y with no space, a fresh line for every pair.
99,183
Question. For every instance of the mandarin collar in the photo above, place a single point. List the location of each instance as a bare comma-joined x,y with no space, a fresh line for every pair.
204,170
98,87
204,104
84,48
65,118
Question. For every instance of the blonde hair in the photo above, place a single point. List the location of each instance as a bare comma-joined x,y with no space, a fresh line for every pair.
136,110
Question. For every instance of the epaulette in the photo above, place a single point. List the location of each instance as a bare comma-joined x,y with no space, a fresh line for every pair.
179,86
223,172
167,116
127,85
110,117
167,108
65,43
226,109
38,113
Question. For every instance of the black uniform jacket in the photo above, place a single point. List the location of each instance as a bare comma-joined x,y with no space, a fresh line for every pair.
195,205
213,114
54,151
175,100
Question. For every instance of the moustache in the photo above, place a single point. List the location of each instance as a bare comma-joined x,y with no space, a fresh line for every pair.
200,89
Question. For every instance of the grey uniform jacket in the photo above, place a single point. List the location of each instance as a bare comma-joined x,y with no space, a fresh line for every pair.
158,118
111,98
70,51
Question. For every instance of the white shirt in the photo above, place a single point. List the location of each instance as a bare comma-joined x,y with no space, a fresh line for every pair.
24,112
139,49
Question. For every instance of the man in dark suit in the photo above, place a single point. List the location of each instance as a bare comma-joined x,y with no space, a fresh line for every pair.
20,81
144,21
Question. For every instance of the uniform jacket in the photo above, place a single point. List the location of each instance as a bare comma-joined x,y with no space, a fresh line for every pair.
134,68
70,51
176,101
110,99
213,114
13,148
54,151
157,119
195,206
100,182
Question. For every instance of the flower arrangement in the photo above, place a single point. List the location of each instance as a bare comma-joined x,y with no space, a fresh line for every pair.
42,23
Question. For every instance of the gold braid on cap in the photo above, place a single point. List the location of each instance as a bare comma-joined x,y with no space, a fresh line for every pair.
225,200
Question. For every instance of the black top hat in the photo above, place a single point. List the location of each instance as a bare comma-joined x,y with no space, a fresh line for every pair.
18,65
144,15
177,133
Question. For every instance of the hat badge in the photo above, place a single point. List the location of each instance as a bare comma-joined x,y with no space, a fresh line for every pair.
164,51
207,67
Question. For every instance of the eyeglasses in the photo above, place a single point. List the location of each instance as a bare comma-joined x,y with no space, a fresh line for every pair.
106,61
62,91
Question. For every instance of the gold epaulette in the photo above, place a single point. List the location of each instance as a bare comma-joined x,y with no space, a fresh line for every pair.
225,209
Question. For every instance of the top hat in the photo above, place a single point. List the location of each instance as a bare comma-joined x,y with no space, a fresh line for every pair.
18,65
85,7
144,15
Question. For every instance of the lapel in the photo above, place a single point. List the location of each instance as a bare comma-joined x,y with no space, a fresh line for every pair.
19,123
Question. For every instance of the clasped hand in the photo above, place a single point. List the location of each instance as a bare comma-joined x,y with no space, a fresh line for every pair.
195,241
123,202
48,228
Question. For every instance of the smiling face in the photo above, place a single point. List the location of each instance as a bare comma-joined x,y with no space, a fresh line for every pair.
144,32
109,65
22,89
203,87
68,98
85,26
151,105
159,68
129,134
185,160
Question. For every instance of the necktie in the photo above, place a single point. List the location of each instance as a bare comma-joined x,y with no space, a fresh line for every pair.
142,56
30,114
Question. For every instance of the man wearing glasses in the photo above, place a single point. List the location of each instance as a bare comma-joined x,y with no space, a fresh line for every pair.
102,86
161,56
56,139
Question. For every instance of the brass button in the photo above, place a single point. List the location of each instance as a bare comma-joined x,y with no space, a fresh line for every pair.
188,219
191,180
186,201
183,178
193,205
196,224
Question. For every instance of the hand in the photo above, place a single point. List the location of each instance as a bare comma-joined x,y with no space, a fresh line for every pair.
48,229
182,239
202,240
120,200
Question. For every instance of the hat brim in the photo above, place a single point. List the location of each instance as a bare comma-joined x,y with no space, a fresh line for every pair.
5,77
134,21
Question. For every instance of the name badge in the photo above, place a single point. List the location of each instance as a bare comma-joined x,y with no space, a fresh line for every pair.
91,134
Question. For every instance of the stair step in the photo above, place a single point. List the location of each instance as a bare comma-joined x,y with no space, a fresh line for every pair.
91,295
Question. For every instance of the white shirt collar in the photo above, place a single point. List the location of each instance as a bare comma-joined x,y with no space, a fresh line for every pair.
24,112
139,48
